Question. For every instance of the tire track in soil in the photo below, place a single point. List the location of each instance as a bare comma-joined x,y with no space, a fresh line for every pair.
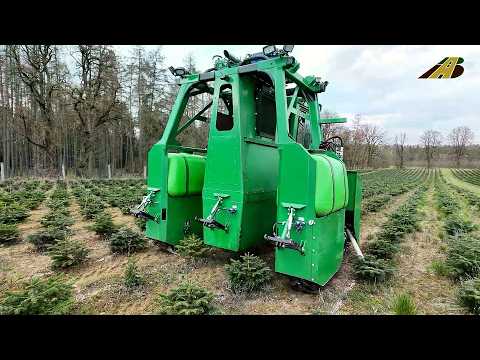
20,261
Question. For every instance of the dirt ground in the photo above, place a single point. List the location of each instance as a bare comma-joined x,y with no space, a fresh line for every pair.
99,282
99,285
414,275
20,261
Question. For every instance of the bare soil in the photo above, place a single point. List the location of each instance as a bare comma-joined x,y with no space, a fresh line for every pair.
19,262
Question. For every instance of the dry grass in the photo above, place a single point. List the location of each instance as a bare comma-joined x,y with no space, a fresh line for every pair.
431,293
20,261
121,219
372,222
99,285
449,177
99,282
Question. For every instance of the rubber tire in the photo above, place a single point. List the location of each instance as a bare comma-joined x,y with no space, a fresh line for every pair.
304,286
164,247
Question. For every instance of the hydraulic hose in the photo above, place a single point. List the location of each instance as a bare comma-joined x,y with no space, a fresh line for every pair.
231,57
335,137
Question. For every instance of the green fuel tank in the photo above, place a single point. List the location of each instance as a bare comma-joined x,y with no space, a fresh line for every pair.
331,186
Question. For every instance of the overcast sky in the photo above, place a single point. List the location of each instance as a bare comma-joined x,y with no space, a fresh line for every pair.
379,82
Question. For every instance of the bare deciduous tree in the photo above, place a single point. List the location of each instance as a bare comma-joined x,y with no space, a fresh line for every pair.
400,148
460,138
330,130
354,141
431,140
94,100
373,137
91,107
34,65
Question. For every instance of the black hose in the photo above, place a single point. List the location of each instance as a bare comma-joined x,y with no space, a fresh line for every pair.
231,57
253,58
334,137
329,144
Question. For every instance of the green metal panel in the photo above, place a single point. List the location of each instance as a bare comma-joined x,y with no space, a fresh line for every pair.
354,206
223,175
323,251
243,166
322,237
252,182
173,215
320,241
261,177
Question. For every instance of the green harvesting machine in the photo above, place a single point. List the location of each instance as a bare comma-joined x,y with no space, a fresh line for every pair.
266,174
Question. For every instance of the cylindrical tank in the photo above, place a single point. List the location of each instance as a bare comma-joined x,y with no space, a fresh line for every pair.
186,174
331,191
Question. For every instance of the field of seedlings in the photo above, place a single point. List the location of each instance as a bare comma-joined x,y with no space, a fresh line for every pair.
72,247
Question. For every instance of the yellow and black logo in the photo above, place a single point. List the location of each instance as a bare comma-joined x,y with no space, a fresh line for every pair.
448,68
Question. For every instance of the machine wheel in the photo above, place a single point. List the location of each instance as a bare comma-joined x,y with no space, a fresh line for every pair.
304,286
164,247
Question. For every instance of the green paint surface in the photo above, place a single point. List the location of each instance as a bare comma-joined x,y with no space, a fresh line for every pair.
331,188
260,168
186,174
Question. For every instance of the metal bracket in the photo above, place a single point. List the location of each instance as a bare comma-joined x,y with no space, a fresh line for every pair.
139,210
210,221
300,224
279,242
284,241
